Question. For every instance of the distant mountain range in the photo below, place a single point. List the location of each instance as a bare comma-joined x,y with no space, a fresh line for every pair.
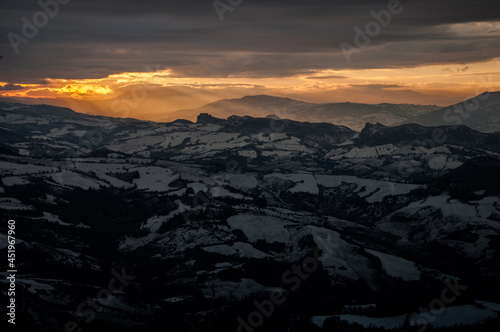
481,113
352,115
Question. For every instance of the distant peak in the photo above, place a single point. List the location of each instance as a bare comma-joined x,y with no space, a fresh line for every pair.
371,126
206,118
264,97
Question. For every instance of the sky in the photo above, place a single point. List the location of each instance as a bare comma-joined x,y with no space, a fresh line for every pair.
154,57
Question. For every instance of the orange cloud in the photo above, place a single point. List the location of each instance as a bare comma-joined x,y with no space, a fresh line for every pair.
79,90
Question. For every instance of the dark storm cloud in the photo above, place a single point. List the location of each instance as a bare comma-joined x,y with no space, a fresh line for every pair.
91,39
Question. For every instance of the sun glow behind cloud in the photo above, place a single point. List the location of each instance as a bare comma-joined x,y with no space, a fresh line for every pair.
84,90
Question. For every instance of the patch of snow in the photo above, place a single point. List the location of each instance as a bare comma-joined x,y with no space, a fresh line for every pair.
153,224
173,300
319,321
197,187
490,305
233,290
240,181
223,192
155,178
9,203
396,266
238,249
374,190
255,227
304,182
452,316
394,322
14,180
53,219
339,257
248,154
68,178
222,249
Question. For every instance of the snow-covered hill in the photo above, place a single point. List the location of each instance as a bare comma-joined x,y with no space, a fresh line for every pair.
214,216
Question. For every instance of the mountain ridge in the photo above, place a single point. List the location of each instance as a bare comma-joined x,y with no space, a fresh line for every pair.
350,114
481,113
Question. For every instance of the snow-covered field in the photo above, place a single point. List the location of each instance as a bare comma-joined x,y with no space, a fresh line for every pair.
467,315
453,316
154,178
255,227
239,249
394,322
340,257
396,266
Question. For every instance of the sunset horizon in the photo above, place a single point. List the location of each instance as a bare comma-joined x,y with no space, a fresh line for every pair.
371,53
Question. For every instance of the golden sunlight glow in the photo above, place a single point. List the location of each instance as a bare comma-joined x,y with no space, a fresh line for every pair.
160,91
84,90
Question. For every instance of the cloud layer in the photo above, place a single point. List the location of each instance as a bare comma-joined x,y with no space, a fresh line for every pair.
93,39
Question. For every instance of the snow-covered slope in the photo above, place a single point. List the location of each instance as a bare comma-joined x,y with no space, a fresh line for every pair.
352,228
